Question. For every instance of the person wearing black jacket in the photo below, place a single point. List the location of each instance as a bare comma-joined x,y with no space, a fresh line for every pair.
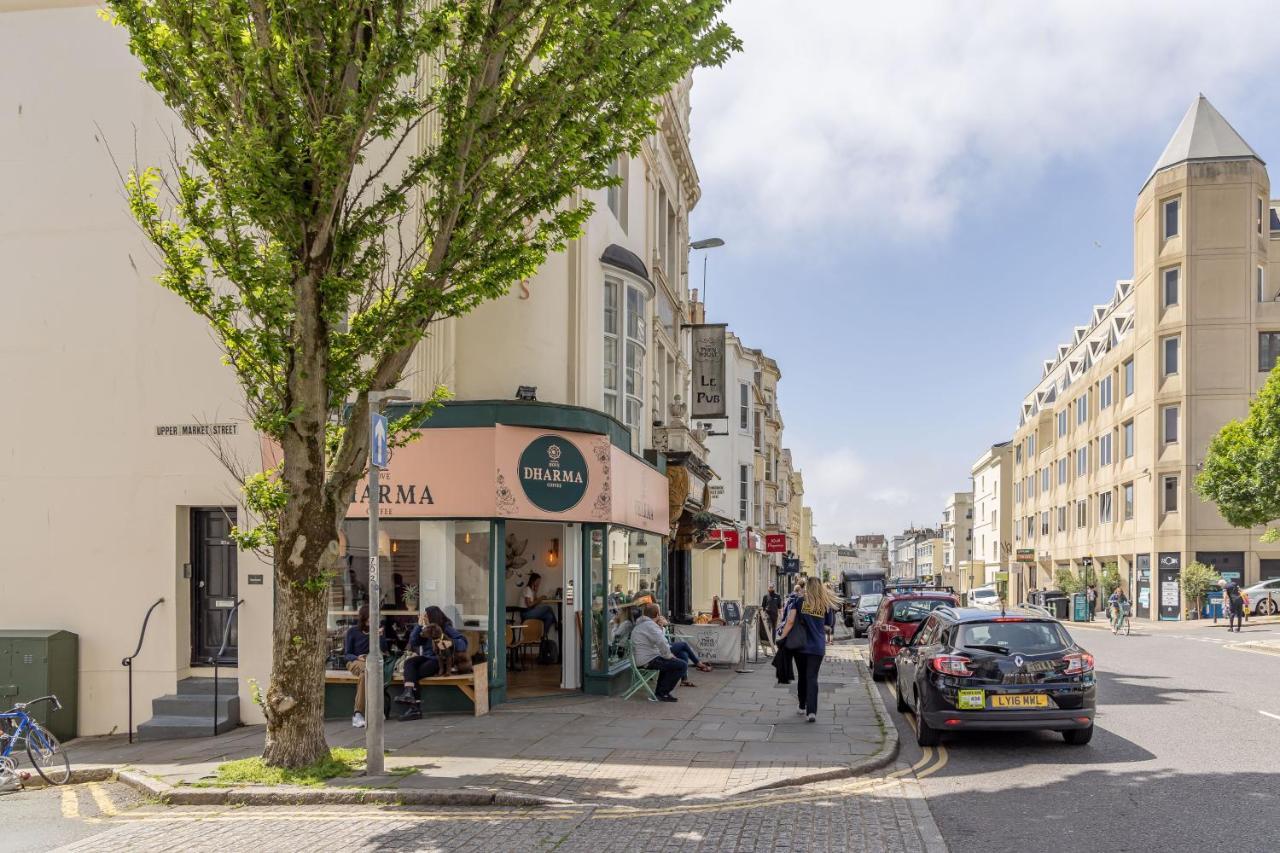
771,605
354,650
424,663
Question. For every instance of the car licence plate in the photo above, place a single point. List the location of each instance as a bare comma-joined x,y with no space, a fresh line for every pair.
1020,700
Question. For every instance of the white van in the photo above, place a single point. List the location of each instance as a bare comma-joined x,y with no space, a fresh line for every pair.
984,597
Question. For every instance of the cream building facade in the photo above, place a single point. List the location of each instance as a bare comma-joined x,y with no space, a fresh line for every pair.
992,518
134,508
957,536
1111,438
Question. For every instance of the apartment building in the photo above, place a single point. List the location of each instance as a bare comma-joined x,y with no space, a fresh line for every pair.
992,476
957,536
1111,438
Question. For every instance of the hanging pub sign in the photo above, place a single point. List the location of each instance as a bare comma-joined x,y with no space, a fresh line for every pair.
708,371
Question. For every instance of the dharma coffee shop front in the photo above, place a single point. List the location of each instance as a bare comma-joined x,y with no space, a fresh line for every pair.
473,516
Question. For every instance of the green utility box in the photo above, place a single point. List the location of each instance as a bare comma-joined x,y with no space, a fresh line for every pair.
35,663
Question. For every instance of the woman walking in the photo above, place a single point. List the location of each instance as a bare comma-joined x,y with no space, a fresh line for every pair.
813,615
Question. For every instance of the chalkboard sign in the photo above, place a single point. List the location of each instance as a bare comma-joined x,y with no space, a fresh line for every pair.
731,612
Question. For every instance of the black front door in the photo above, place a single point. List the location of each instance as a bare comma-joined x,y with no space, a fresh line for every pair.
213,583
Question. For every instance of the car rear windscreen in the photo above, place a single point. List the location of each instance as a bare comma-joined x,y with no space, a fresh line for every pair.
915,610
1028,638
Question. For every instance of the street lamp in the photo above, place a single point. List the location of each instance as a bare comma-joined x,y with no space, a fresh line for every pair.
698,245
373,661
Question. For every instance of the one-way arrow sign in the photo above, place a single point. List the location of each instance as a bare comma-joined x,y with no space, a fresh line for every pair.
378,453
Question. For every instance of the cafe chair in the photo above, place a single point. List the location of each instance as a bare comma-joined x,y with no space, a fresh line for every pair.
641,679
533,633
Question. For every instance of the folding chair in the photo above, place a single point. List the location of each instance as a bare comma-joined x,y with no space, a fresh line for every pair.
641,678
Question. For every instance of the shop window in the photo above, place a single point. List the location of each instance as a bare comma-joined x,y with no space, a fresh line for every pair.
634,570
421,564
599,619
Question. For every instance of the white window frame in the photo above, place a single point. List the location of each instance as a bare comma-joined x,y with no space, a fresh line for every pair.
1082,461
1064,470
1127,498
1104,507
1063,419
1262,283
1127,438
1082,409
1176,204
1104,450
1176,340
744,483
744,407
1171,275
1104,392
1045,479
625,400
1130,374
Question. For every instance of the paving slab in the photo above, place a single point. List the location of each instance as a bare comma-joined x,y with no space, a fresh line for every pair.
733,732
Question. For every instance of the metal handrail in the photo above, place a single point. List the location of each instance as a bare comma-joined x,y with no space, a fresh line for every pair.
128,662
226,636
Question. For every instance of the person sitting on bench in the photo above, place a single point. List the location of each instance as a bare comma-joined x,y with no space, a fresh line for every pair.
355,648
424,663
652,652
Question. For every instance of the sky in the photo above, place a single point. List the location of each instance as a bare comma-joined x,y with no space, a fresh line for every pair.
919,201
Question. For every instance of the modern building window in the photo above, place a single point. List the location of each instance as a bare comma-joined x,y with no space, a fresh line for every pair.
1082,461
1104,393
1062,519
1031,527
1171,347
744,484
1044,523
1170,424
744,407
1126,432
1171,286
1259,214
1261,280
1031,446
1268,350
1017,492
1172,210
625,334
1170,487
1044,479
1017,454
1082,408
1082,513
1104,507
1062,423
1104,450
1128,377
1128,501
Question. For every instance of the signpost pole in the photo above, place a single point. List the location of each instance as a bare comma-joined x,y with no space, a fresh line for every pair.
373,663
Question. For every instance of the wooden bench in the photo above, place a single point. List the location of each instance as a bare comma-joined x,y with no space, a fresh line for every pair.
474,685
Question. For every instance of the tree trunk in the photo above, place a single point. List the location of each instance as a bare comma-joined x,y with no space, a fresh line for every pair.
294,702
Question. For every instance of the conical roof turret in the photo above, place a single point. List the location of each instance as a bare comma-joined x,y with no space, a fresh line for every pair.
1203,134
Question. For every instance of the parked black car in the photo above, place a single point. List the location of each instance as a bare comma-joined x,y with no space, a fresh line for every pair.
969,669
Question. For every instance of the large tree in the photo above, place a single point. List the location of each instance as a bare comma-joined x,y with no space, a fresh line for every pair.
353,171
1241,471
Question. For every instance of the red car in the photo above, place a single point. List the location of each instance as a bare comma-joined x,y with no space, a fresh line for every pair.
900,615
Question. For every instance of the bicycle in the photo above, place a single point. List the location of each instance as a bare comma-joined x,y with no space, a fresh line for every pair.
43,749
1120,620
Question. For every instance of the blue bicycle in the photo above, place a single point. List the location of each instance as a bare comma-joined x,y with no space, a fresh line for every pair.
47,755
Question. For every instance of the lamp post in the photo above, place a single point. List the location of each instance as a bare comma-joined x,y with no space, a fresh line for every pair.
698,245
373,661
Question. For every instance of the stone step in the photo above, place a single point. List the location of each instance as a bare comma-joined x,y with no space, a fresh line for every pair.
196,705
169,727
197,685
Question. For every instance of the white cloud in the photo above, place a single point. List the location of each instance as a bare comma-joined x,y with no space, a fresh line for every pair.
893,116
851,495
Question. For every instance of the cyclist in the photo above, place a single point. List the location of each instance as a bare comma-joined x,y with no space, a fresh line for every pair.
1117,606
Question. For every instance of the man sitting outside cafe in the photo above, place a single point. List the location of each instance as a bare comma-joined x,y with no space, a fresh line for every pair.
653,652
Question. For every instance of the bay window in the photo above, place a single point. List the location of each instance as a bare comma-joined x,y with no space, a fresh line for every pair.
625,340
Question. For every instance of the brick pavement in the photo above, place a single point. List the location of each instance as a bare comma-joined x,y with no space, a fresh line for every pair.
733,732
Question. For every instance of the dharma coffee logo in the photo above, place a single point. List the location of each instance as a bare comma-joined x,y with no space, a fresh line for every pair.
553,473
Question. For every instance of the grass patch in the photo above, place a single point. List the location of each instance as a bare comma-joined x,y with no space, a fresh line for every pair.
340,762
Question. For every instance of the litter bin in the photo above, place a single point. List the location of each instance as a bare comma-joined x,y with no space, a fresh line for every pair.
1061,607
35,663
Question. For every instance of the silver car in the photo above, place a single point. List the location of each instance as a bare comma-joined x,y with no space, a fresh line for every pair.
1264,597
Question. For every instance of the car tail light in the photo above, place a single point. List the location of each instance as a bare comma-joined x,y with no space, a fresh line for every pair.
954,722
1078,663
950,665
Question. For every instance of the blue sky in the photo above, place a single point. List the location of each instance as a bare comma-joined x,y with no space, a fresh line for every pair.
920,204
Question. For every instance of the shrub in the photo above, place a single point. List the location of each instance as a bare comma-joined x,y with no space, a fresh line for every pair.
1066,580
1196,580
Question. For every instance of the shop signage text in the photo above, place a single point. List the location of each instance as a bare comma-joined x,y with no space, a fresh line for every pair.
553,473
196,429
775,543
708,371
728,537
1026,555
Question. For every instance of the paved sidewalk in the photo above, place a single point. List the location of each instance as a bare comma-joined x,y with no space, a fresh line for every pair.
732,733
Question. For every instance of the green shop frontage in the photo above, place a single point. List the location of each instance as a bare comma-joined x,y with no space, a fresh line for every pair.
497,503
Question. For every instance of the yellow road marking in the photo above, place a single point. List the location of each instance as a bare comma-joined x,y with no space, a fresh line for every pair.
70,803
938,765
100,797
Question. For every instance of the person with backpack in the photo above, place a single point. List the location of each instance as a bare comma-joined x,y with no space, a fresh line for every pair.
783,659
1234,600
